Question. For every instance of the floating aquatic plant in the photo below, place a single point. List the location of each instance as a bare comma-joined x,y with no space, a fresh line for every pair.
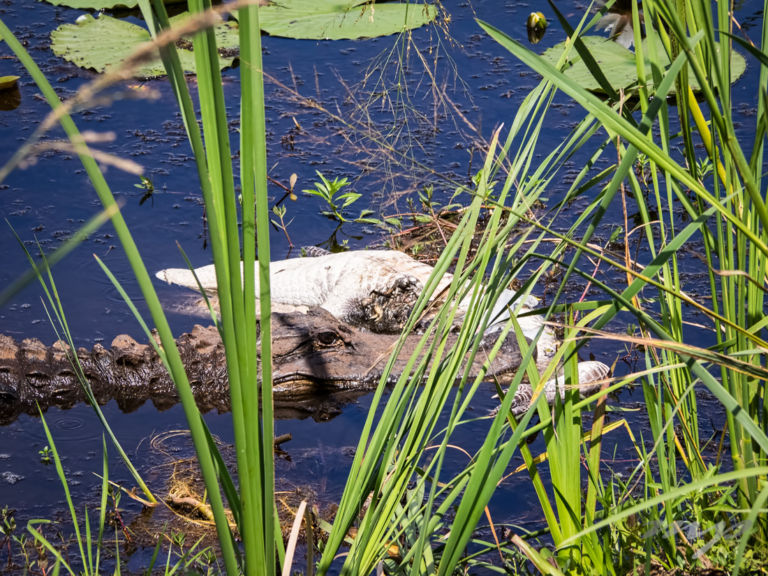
98,43
618,63
102,4
8,82
340,19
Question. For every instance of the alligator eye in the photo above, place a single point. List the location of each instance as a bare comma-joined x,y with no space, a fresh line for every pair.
328,338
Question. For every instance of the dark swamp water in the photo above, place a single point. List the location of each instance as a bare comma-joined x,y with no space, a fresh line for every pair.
482,86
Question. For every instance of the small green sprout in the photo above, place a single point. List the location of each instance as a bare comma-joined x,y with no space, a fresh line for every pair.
338,201
46,455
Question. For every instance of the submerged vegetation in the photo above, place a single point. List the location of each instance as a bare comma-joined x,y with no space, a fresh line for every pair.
694,183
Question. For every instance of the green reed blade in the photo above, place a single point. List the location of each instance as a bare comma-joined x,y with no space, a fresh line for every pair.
145,283
60,324
81,234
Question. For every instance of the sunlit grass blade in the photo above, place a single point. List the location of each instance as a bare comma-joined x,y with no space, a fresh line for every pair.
255,223
618,125
236,293
60,326
723,479
145,284
70,244
67,496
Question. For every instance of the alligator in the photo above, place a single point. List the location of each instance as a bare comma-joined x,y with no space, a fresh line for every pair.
319,363
332,342
376,291
370,289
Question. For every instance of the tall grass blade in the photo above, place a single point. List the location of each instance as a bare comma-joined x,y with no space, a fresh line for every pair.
61,327
145,284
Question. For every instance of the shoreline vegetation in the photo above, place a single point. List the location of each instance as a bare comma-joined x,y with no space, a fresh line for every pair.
404,508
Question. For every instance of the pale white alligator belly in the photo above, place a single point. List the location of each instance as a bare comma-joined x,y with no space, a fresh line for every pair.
331,281
339,282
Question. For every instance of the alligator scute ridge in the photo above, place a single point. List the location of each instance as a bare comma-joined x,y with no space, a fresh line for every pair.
33,374
319,363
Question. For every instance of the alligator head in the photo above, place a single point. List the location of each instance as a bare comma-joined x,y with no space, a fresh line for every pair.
317,350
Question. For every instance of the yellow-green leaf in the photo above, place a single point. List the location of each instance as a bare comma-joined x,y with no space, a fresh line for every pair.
7,82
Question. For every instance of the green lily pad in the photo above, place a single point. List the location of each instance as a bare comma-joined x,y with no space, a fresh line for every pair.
618,64
102,4
8,82
99,43
341,19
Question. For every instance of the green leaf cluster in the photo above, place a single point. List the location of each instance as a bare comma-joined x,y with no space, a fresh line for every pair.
338,201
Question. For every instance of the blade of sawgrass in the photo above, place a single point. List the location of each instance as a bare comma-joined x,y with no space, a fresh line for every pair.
158,21
618,125
625,168
749,525
145,283
674,380
671,311
59,323
563,442
44,543
434,468
583,51
474,319
256,228
366,473
93,224
698,369
254,442
680,238
104,499
561,453
472,492
382,535
691,230
404,427
203,293
732,251
132,307
679,492
721,121
744,237
70,505
490,464
225,478
414,430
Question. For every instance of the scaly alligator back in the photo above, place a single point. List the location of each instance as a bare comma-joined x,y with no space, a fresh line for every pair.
314,354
